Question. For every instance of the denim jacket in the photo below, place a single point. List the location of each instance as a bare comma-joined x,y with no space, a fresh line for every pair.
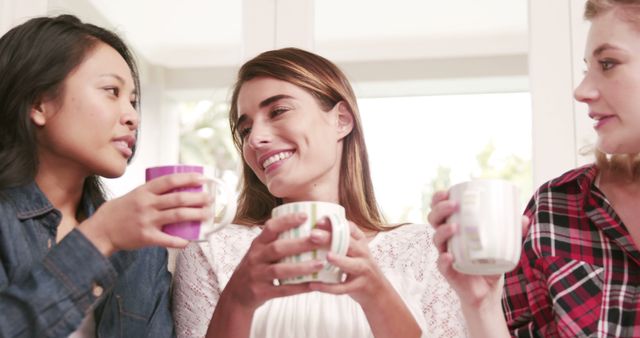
46,289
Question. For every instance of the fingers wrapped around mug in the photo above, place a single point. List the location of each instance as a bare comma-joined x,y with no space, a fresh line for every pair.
441,208
255,279
363,277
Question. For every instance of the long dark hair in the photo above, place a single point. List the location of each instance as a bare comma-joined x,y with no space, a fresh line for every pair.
35,59
328,85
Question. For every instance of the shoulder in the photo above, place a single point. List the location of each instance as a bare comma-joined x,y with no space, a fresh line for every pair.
410,243
572,187
233,234
8,202
411,232
225,246
578,179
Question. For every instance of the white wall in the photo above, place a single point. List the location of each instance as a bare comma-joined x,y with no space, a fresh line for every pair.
560,125
556,37
14,12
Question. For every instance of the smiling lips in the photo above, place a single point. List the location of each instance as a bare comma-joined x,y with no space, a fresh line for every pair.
276,158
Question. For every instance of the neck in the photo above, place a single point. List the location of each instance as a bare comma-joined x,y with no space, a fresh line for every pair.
617,187
63,189
315,193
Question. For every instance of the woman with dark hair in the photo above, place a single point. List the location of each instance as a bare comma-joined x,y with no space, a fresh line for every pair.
579,270
72,263
295,120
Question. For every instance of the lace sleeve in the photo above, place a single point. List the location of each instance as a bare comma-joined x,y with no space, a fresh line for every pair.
440,304
408,257
195,292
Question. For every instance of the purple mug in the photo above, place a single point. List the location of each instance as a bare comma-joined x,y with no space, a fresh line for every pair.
196,230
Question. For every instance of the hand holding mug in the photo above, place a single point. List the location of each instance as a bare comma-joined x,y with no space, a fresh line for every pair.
253,281
364,280
134,220
199,230
475,286
333,216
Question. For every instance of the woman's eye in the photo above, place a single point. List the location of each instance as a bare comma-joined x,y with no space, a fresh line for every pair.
606,64
278,110
115,91
244,132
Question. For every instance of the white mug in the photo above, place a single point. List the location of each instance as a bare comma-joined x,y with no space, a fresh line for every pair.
489,234
340,235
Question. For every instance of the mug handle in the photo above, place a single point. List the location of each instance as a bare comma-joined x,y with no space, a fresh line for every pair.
340,236
229,209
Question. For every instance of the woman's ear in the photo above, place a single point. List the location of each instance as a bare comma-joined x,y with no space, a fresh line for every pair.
345,119
37,114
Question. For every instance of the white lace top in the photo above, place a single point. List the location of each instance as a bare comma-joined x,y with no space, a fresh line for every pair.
406,255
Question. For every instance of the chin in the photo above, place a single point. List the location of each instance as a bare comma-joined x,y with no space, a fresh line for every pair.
278,190
616,148
113,172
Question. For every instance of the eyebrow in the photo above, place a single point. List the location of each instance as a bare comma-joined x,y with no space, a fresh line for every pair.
273,99
265,103
603,48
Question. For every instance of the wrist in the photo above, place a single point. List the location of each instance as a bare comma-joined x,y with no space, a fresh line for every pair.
485,318
380,297
94,233
230,318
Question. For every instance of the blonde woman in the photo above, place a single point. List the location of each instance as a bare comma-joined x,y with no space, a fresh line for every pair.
580,266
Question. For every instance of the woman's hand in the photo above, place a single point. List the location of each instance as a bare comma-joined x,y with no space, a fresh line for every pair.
135,220
252,283
364,278
480,296
473,290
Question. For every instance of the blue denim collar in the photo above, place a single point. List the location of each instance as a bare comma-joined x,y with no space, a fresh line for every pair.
29,201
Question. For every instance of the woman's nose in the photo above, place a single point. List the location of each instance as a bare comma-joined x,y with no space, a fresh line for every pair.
130,116
260,135
586,91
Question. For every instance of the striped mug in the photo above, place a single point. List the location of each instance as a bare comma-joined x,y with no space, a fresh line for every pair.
340,234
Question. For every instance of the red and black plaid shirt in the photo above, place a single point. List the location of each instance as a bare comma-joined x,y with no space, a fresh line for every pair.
579,273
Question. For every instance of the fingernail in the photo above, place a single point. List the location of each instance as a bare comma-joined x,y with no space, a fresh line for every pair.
322,221
317,236
318,264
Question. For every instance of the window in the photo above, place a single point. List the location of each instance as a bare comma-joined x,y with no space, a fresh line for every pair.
418,145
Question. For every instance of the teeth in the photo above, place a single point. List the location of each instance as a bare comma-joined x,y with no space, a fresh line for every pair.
275,158
121,144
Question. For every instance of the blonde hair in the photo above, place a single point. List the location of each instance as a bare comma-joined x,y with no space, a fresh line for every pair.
631,12
621,165
328,85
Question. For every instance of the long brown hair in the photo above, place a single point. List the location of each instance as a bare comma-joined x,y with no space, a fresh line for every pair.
328,85
620,165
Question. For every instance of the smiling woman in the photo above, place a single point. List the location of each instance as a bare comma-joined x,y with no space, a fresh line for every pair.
296,123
